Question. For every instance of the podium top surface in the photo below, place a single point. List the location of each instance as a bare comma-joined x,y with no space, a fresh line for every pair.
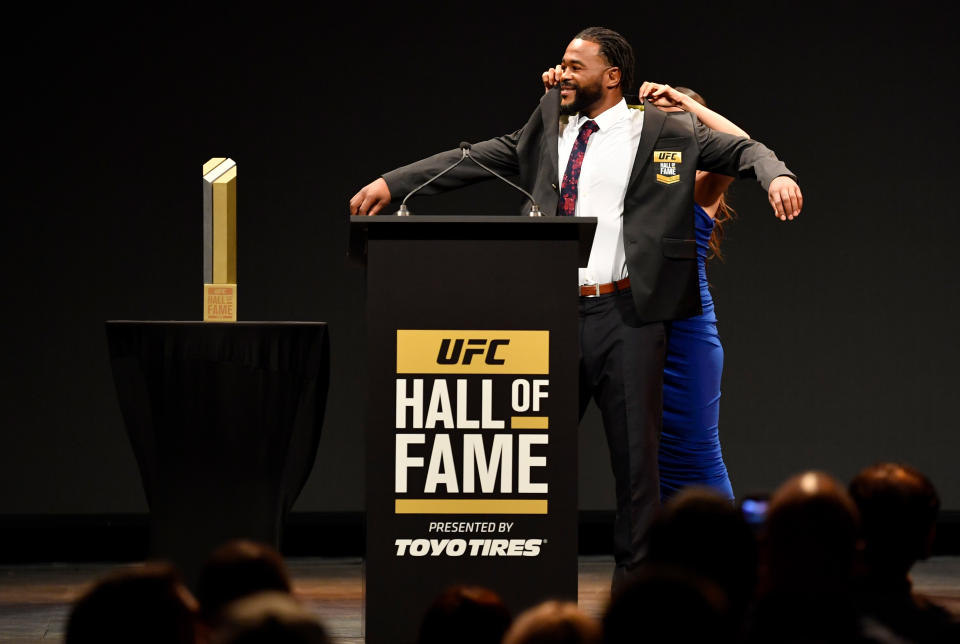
467,219
362,228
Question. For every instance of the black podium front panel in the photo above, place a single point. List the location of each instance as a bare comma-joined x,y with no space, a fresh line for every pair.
471,435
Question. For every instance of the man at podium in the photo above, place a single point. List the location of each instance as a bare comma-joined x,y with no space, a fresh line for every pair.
584,152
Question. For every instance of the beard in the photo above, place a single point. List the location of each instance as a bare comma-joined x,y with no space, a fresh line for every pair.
583,97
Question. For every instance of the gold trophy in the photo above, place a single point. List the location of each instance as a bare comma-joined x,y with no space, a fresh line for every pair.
220,240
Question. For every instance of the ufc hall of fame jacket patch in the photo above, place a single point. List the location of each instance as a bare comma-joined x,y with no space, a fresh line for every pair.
668,160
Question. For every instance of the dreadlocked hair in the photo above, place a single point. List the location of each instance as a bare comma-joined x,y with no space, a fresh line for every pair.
615,49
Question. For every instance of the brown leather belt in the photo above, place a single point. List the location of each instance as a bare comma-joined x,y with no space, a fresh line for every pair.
594,290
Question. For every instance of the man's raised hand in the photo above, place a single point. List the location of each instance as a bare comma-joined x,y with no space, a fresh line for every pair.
551,78
371,199
785,197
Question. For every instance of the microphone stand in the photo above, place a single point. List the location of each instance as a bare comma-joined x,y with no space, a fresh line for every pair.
403,211
534,208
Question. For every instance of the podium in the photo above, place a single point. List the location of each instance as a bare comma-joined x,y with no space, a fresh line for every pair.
471,421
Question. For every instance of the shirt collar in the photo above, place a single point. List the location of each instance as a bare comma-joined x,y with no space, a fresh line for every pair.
606,119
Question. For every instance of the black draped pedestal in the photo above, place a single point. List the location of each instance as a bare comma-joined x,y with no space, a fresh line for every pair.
224,420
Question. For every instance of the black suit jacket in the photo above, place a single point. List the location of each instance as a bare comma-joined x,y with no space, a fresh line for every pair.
658,215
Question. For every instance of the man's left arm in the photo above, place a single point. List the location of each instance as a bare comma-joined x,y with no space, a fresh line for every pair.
739,157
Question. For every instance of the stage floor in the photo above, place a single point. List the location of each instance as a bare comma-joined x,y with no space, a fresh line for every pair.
35,599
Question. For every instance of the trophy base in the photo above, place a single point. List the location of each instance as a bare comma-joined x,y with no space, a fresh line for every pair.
219,302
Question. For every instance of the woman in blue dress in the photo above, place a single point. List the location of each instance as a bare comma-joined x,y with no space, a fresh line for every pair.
690,451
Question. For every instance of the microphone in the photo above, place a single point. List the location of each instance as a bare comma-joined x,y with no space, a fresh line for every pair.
403,211
534,208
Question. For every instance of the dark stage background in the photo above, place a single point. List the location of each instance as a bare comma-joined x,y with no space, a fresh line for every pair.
839,328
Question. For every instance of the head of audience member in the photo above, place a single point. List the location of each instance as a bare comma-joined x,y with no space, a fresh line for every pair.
664,603
467,615
898,515
700,530
148,604
598,69
237,569
269,617
810,535
554,622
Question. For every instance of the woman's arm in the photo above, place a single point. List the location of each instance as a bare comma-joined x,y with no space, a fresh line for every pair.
666,96
709,186
708,189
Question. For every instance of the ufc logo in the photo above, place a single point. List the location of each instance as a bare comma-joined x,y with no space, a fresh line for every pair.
475,347
663,156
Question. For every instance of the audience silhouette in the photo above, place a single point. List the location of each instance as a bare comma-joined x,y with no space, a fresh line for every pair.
898,512
665,603
466,615
831,564
269,617
700,531
237,569
807,554
554,622
146,603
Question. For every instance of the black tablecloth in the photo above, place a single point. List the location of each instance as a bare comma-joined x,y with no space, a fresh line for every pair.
224,420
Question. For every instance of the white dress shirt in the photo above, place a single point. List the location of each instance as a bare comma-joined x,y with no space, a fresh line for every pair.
606,168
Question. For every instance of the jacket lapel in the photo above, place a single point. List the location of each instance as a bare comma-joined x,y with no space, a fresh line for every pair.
550,113
653,120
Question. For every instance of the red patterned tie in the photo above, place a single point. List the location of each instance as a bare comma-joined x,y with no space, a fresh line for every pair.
568,189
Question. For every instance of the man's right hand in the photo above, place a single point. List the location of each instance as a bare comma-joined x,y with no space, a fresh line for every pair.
371,199
551,78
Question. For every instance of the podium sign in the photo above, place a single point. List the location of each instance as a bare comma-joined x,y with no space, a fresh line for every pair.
473,410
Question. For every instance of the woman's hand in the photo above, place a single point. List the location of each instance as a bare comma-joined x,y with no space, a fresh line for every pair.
662,95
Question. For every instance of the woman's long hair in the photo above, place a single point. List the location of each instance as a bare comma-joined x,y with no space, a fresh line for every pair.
724,212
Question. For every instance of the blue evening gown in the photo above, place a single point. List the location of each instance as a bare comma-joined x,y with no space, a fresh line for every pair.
690,443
